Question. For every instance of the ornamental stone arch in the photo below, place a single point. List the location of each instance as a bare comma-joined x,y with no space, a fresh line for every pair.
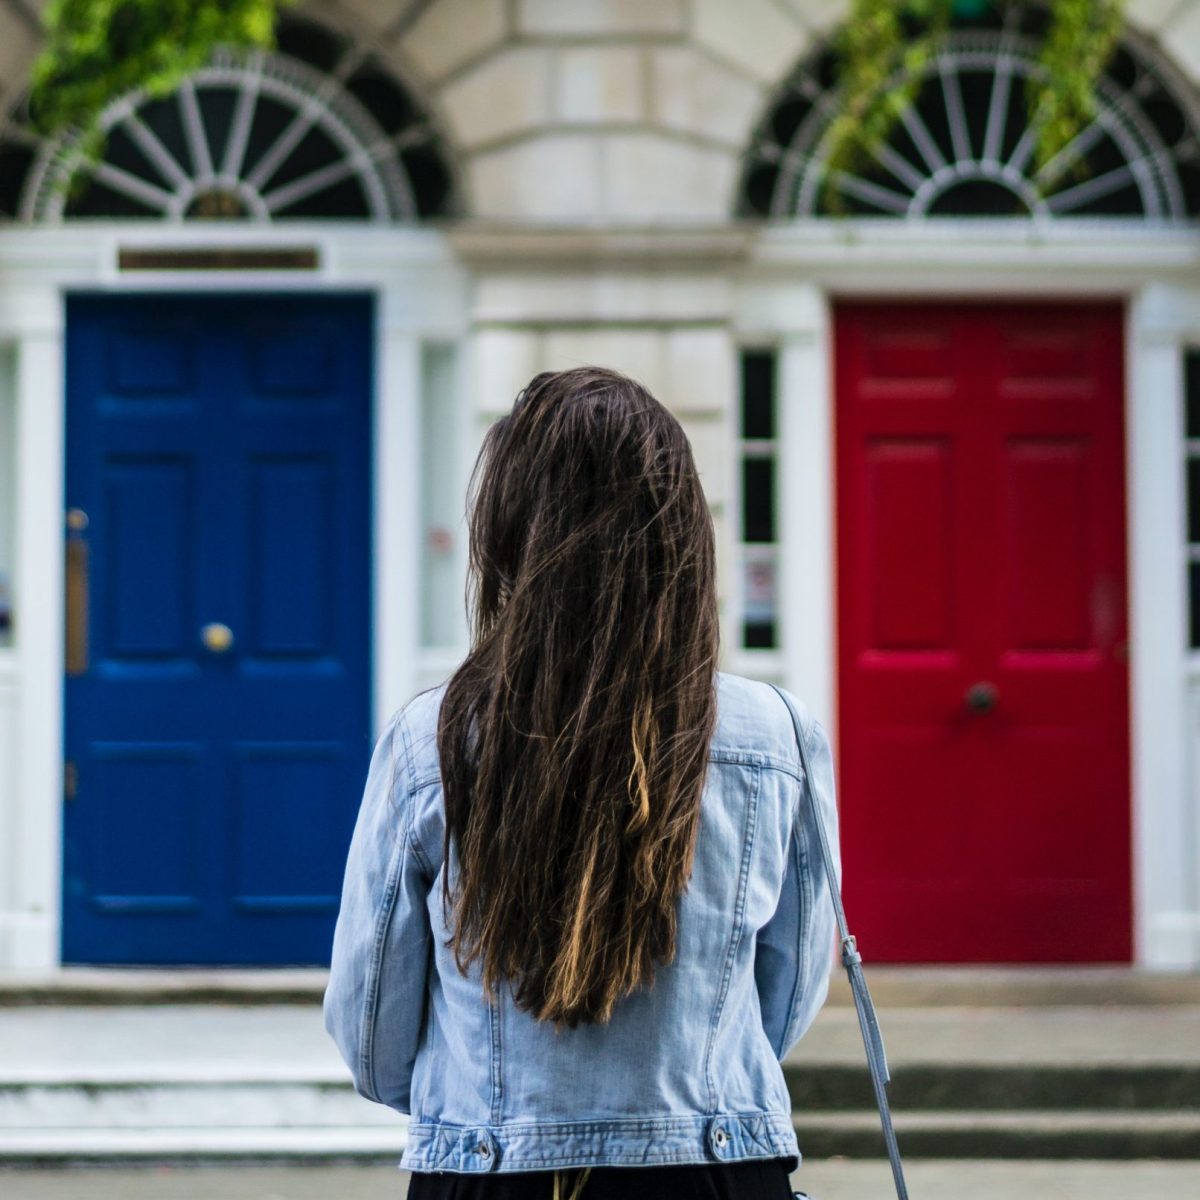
324,126
965,147
560,111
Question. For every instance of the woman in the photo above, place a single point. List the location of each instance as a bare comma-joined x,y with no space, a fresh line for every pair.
584,914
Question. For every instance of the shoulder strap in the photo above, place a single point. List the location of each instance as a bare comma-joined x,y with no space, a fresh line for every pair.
852,961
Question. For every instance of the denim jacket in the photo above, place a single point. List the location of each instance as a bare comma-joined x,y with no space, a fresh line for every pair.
687,1070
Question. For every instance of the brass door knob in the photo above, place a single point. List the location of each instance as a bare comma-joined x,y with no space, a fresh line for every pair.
217,638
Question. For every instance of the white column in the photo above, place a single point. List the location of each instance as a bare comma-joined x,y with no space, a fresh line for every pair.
1165,858
33,920
397,503
806,494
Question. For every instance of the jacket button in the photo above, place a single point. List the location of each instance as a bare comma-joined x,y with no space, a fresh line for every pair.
719,1137
484,1149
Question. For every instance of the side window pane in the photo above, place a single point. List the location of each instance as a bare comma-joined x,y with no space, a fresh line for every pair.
758,500
442,527
758,394
1194,604
8,492
1191,384
1191,406
759,554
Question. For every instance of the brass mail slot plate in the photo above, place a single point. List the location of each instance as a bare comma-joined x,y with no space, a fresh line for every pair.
228,258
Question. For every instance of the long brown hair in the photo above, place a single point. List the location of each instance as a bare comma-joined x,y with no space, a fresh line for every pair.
574,737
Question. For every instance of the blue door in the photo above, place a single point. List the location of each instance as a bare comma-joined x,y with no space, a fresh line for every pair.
217,719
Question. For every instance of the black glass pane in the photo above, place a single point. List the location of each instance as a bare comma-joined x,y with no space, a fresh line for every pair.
759,635
342,199
90,197
758,393
310,43
758,500
165,121
1193,499
315,151
382,97
1194,604
1191,391
15,161
430,179
217,106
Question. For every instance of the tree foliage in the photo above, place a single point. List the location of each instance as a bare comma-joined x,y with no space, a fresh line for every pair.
97,50
885,47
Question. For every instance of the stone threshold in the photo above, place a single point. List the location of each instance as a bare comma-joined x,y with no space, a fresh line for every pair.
891,986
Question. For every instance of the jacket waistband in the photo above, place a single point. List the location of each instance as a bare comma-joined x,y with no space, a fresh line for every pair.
531,1146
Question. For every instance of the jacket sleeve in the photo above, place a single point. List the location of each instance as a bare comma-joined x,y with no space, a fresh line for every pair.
374,1004
794,952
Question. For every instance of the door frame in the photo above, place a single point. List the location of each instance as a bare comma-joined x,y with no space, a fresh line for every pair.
774,284
420,295
799,273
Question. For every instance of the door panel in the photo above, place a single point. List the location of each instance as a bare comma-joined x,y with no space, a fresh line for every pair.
220,447
983,685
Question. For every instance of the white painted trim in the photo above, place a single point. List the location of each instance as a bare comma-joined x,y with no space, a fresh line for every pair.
1163,317
420,292
808,583
33,922
1166,904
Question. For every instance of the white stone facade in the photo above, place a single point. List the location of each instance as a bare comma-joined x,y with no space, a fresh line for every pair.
598,145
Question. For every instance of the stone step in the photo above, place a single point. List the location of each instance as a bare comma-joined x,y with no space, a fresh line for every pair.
322,1144
994,1086
208,1081
891,986
1080,1134
1027,1135
193,1097
197,1104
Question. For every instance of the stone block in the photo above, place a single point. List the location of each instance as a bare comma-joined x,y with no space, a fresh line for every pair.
504,94
505,360
595,84
713,451
819,15
550,178
650,177
601,17
18,47
692,93
1180,36
756,36
451,32
351,15
634,352
701,370
1152,15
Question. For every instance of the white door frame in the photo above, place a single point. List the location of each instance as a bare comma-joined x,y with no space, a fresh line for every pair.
776,283
420,295
788,291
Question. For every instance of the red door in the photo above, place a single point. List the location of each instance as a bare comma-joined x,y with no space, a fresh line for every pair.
983,686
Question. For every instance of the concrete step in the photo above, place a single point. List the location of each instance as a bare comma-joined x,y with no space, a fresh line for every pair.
200,1082
198,1104
1079,1134
992,1086
1038,1135
318,1145
891,986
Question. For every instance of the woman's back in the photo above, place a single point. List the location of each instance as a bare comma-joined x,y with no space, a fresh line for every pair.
584,915
686,1070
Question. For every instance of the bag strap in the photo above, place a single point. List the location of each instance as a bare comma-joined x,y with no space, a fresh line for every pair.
852,961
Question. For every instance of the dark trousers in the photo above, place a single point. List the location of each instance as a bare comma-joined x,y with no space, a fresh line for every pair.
751,1179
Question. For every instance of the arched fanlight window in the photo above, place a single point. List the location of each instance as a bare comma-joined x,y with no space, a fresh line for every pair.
318,128
965,147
